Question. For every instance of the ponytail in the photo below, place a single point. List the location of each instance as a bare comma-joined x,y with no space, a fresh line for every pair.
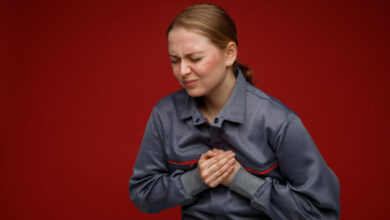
246,71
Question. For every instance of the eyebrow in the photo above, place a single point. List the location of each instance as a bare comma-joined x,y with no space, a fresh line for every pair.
187,55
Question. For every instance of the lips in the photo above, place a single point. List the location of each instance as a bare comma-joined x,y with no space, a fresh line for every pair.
189,83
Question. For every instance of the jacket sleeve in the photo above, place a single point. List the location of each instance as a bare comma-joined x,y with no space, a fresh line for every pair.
311,190
152,187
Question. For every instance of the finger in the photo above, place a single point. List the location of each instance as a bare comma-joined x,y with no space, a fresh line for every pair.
208,154
220,155
218,151
218,169
222,178
205,163
206,166
218,176
220,160
209,167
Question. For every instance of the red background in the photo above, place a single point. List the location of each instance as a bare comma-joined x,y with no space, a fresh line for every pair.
81,79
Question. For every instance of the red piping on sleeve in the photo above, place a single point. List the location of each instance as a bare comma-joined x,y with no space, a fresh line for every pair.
262,172
192,162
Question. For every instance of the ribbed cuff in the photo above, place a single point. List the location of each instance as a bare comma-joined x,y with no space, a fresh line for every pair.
245,184
192,182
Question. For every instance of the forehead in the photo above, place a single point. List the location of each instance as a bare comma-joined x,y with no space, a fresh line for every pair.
182,40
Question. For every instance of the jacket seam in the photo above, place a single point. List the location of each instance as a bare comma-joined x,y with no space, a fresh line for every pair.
158,118
269,100
284,124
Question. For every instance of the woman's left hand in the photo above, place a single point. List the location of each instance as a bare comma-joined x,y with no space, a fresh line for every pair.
228,179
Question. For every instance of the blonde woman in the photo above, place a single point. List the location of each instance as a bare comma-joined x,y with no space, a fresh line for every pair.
220,147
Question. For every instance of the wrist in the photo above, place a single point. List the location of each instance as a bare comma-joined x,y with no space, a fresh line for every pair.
226,182
245,184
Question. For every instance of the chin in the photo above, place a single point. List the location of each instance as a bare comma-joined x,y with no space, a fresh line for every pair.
195,93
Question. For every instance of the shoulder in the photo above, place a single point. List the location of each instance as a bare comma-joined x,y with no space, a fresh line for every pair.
172,102
258,97
267,112
262,104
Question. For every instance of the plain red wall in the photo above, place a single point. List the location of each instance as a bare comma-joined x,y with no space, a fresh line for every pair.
81,79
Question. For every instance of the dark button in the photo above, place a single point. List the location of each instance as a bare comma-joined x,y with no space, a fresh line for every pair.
216,120
197,120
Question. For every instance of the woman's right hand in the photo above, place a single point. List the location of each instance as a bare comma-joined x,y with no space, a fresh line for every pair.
214,166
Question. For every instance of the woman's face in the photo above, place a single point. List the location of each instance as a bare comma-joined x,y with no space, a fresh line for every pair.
198,65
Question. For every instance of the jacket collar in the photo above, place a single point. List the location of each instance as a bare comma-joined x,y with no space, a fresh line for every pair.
234,109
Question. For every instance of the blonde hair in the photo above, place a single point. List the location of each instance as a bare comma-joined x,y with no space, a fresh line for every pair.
214,23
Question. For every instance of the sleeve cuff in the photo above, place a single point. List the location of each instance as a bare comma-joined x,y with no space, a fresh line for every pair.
192,182
245,184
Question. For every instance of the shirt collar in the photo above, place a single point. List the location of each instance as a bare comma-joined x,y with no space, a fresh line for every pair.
234,110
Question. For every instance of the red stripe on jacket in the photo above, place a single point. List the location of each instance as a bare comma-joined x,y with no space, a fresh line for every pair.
262,172
192,162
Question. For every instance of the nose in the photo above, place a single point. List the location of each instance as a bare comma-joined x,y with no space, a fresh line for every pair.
185,68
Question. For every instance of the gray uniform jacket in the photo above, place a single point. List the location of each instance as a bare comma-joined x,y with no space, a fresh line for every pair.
283,175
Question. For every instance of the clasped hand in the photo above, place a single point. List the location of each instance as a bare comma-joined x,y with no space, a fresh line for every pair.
217,167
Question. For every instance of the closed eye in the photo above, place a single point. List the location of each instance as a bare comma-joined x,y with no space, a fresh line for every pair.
174,61
194,60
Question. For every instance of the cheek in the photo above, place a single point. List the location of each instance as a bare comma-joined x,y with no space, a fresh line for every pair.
213,65
175,71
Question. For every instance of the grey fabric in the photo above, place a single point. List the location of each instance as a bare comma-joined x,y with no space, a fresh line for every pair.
245,183
192,182
269,141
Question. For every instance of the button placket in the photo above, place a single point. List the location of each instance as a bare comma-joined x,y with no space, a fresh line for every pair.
215,138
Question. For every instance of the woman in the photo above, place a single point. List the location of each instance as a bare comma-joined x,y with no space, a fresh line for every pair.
221,148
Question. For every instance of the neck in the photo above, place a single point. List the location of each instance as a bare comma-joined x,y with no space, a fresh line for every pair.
217,99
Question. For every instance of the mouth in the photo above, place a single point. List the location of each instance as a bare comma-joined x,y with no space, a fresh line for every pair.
189,83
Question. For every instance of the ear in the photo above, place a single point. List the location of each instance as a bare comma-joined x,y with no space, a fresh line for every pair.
230,53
